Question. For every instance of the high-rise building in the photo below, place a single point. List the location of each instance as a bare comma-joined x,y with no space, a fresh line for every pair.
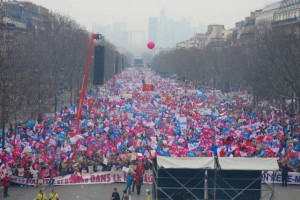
152,29
119,33
136,41
168,31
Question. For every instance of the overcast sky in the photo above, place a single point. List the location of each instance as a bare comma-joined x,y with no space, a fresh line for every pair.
136,12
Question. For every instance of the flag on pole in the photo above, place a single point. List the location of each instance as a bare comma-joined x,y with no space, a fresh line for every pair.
74,137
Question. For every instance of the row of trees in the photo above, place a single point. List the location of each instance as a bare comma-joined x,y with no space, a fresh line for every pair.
267,64
43,66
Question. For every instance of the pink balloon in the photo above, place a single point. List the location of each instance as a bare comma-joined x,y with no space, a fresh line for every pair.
151,45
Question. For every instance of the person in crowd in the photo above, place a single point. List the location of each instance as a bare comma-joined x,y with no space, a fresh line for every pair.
115,195
140,169
129,181
6,185
134,177
284,173
138,179
113,129
52,176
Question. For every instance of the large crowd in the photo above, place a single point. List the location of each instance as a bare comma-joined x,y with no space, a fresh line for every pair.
123,125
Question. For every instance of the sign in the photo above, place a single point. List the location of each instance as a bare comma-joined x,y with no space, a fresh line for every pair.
182,123
126,96
294,177
94,178
148,87
113,98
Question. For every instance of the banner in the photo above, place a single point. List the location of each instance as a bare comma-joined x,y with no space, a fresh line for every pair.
182,123
294,177
94,178
148,87
120,177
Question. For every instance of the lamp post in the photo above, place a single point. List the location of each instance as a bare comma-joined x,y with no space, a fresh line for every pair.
292,110
55,88
3,114
39,115
3,136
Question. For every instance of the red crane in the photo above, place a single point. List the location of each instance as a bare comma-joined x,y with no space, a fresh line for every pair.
86,74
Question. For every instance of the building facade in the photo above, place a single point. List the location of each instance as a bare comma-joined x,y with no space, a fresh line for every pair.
21,15
287,13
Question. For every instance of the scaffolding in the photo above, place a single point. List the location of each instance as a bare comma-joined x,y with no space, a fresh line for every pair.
212,178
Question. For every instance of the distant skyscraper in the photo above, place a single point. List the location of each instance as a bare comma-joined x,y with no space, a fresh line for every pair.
119,33
136,41
152,29
171,31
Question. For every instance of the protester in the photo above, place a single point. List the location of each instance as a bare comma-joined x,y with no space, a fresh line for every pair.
134,177
122,123
284,173
138,179
6,185
129,181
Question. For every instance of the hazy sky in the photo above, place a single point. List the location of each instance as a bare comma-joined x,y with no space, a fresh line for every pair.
136,12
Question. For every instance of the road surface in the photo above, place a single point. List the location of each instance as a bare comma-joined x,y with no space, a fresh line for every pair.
103,192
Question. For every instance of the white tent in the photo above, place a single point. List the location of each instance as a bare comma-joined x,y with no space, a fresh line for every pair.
185,162
225,163
248,164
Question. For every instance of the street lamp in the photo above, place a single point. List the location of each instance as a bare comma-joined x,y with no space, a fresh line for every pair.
292,110
39,115
55,88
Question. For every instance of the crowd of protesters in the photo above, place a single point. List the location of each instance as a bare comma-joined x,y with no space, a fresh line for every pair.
123,124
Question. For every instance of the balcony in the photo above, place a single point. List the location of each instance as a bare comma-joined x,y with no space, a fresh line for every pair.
285,22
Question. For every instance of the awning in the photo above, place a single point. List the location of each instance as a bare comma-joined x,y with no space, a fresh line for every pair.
249,164
185,162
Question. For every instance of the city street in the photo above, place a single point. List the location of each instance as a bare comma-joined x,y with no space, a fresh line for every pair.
103,192
80,192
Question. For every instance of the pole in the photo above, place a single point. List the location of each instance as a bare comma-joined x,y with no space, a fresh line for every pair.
39,118
292,110
205,186
71,89
55,98
3,120
3,137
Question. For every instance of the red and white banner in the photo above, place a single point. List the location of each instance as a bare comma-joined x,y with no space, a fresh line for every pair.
94,178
